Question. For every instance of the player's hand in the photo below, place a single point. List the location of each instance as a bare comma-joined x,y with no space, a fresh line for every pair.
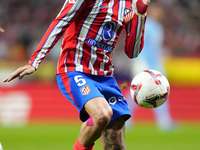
146,2
1,30
140,6
20,73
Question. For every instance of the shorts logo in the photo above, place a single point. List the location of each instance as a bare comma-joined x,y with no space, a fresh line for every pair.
114,100
85,90
128,14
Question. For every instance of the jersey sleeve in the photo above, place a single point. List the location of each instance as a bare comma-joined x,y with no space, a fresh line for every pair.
134,42
70,10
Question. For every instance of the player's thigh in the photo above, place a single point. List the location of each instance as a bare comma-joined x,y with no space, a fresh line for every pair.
98,107
113,136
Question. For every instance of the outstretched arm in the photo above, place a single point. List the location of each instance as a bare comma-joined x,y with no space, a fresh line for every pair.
20,73
67,15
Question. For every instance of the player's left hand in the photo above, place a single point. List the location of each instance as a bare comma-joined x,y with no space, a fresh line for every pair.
20,73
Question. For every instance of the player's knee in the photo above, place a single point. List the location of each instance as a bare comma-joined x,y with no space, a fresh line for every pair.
103,118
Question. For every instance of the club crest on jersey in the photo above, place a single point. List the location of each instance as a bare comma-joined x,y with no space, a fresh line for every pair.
128,14
85,90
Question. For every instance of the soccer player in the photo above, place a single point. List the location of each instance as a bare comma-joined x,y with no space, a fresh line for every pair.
85,70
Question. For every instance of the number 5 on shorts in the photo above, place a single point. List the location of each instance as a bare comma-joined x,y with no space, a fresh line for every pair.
79,80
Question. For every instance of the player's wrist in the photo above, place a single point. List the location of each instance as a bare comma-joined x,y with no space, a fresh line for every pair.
141,6
32,66
146,2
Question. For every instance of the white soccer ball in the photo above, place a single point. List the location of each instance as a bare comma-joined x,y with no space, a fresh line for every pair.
150,89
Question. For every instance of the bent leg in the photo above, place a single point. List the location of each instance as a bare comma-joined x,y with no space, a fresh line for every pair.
113,136
101,113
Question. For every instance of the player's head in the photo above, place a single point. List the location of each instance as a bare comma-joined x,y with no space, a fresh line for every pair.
1,30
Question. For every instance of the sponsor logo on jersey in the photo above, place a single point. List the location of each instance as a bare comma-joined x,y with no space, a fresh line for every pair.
85,90
128,14
108,31
100,45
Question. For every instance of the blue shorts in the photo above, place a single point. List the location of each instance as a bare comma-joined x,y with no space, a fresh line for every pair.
79,88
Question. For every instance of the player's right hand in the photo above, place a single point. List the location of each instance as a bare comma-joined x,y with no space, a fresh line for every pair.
20,73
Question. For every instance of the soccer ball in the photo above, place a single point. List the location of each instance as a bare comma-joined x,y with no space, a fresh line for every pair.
150,89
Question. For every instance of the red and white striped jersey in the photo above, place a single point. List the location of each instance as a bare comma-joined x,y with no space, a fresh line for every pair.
91,29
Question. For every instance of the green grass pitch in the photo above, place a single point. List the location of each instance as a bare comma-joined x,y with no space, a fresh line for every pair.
63,136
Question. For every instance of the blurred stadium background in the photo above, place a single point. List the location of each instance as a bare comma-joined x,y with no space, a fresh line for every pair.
26,105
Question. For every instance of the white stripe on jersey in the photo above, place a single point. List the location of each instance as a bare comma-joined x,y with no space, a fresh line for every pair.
57,29
110,10
121,7
107,19
62,8
93,49
83,34
141,22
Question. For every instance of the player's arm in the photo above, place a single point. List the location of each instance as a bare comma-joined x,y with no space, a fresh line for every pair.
67,15
20,73
135,36
135,29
